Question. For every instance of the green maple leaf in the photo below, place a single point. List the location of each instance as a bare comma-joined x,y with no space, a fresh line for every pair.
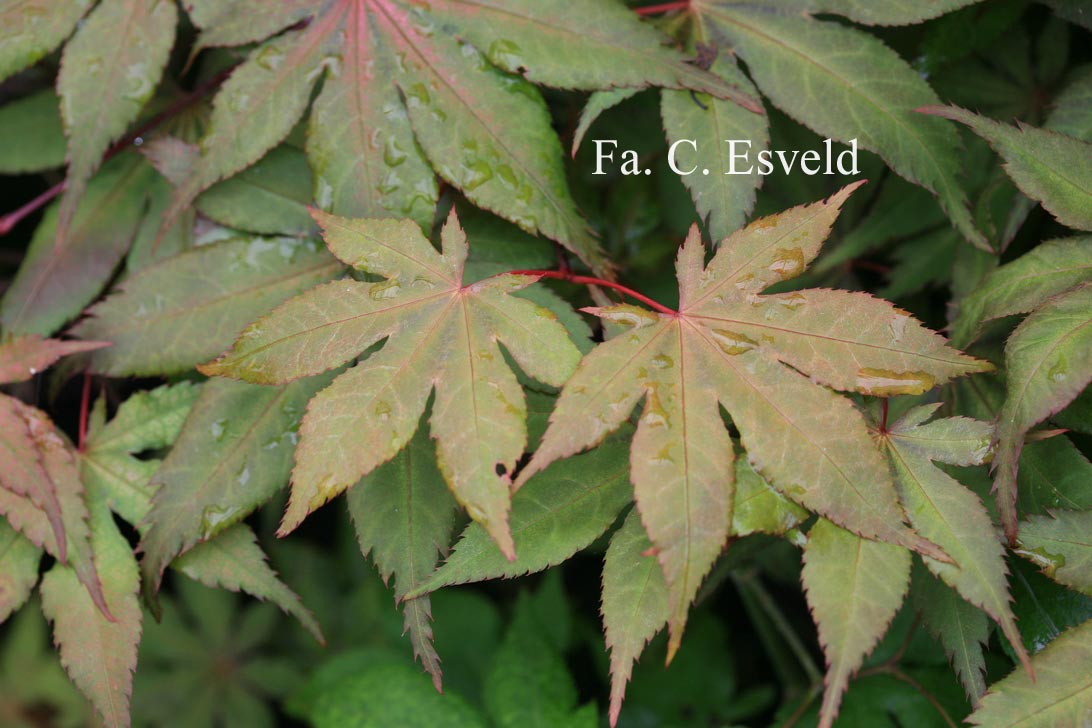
1059,694
1047,366
188,308
109,71
1061,546
19,560
456,105
227,556
403,516
948,514
41,494
636,603
53,286
99,654
1050,167
732,345
441,334
846,84
962,628
854,588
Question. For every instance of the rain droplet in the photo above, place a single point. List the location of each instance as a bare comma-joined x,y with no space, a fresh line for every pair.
382,410
219,427
732,343
885,383
384,290
662,361
215,519
506,54
475,174
787,263
1059,372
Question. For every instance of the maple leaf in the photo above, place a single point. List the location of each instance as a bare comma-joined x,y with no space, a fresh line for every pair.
40,491
484,131
847,84
1052,267
232,454
228,555
41,494
1059,696
961,628
99,655
753,353
636,603
948,514
187,309
109,71
22,357
19,560
1061,546
854,588
1047,366
441,334
403,516
1052,168
53,286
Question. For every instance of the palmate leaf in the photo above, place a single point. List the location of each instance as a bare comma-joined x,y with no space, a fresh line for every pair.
724,200
1047,366
145,422
730,344
109,70
440,334
854,588
31,29
18,569
1050,268
53,286
99,654
22,357
962,628
36,122
484,131
150,421
1060,544
846,84
233,453
234,561
1054,169
1058,697
948,514
404,515
636,603
559,512
187,309
869,12
41,494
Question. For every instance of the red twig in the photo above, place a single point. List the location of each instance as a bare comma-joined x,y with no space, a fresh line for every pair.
589,281
663,7
85,408
7,222
869,265
13,218
883,415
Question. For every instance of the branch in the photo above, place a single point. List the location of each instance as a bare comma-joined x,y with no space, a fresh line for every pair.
590,281
13,218
663,7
